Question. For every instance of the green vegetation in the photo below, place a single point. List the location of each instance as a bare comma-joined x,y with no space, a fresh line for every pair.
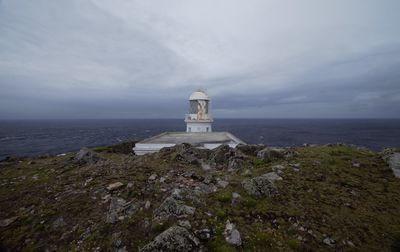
337,199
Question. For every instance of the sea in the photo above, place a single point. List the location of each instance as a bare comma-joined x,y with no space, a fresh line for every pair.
42,137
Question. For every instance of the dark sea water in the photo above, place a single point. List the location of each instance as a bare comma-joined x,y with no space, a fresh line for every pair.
27,138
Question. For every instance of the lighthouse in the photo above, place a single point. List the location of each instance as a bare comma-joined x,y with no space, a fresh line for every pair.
198,130
199,118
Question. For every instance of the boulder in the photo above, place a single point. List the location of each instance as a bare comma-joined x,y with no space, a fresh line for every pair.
262,185
235,163
173,207
269,154
190,154
232,235
221,154
175,238
250,149
86,156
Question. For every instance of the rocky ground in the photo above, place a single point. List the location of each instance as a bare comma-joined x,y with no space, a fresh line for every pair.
250,198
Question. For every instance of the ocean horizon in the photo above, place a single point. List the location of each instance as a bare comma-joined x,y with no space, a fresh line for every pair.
55,136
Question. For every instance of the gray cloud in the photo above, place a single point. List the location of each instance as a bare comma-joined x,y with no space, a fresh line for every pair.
135,59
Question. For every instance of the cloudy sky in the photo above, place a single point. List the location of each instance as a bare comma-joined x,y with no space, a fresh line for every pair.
256,58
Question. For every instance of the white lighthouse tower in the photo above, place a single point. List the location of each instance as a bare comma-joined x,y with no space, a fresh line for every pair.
199,118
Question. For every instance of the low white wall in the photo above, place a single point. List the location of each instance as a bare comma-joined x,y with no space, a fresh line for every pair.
144,148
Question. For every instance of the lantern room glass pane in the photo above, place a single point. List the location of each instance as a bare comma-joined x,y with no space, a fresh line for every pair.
194,109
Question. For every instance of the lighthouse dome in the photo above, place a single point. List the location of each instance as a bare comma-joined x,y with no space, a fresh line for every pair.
199,95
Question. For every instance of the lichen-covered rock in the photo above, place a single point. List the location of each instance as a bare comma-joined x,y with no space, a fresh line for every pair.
188,153
221,154
119,208
250,149
262,185
171,206
272,176
235,163
269,153
86,156
232,235
175,238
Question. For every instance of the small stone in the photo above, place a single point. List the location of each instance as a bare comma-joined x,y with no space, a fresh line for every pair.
356,165
116,240
147,205
114,186
246,172
162,180
277,167
152,177
272,176
176,194
222,183
204,234
235,195
88,181
59,222
205,166
328,241
295,165
6,222
129,185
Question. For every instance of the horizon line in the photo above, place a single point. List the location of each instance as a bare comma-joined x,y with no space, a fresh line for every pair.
220,118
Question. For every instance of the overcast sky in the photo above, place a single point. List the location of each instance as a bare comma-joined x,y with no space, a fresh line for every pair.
256,58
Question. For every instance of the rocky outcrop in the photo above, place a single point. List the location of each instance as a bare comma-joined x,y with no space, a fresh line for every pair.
173,207
262,185
188,153
86,156
175,238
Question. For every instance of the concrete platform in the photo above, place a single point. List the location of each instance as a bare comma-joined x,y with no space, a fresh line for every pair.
208,140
